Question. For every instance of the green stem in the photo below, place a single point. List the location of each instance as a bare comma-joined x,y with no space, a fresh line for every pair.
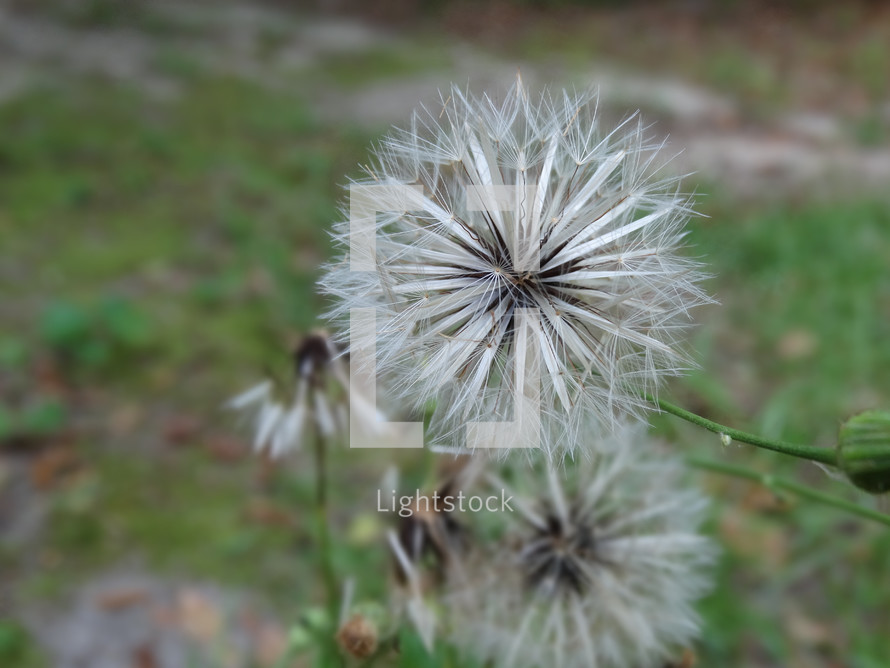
772,482
812,453
326,566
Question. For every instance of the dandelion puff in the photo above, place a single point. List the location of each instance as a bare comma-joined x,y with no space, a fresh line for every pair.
523,204
282,418
599,565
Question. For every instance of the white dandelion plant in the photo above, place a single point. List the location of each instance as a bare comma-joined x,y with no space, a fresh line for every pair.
599,565
317,402
524,204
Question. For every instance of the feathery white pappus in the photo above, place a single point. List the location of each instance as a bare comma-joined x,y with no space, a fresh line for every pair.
521,204
599,567
318,401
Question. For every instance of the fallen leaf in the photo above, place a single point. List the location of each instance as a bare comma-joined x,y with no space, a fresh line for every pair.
797,344
182,429
762,499
125,597
51,465
226,449
197,616
807,631
270,644
144,657
765,544
263,511
49,376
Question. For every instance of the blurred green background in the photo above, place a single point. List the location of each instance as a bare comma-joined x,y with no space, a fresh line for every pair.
168,172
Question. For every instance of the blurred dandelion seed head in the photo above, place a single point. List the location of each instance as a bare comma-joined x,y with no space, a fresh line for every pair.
312,356
600,565
313,402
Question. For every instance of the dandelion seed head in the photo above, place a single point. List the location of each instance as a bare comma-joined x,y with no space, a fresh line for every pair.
314,400
523,203
600,565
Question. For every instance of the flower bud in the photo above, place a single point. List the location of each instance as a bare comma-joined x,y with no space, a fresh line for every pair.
863,451
358,637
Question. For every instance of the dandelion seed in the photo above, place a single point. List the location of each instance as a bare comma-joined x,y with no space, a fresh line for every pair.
523,204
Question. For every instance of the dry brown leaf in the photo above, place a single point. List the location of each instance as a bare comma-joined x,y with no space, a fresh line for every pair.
51,465
762,499
750,537
805,630
797,344
263,511
144,657
49,377
198,616
270,644
226,449
182,429
125,597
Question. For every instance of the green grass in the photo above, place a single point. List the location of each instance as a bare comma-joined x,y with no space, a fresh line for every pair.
799,344
218,199
351,69
99,14
16,647
184,514
753,82
807,312
195,225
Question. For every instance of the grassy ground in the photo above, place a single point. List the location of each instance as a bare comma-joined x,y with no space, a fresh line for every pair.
159,256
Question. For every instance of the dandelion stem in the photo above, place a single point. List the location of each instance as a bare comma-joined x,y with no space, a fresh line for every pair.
326,565
772,482
812,453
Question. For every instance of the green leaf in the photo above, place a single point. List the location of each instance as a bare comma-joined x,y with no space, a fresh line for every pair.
64,325
125,325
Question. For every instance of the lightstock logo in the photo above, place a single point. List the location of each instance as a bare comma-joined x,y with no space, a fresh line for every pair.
524,430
